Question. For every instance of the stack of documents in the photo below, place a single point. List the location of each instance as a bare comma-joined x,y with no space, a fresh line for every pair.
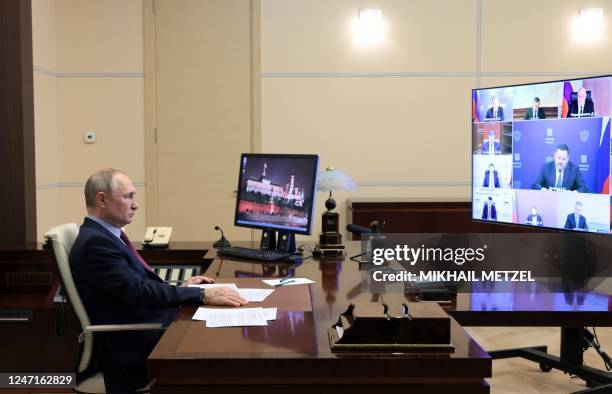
251,295
235,317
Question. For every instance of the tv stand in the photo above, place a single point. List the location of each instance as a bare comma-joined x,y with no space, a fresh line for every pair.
574,341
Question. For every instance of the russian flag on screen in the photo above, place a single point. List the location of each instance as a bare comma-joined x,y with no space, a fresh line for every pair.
475,106
602,177
515,217
567,96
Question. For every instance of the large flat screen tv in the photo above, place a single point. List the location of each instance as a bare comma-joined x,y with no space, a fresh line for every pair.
541,154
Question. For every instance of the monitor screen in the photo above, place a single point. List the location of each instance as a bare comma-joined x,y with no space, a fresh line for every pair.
541,154
277,192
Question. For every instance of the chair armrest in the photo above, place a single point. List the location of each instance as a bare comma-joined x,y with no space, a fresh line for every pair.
120,327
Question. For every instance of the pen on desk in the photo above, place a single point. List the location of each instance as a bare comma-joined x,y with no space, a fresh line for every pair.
283,282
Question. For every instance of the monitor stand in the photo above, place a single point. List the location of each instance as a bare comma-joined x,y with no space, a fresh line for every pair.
285,244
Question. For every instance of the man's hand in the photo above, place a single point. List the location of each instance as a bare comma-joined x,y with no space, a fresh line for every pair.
196,280
223,296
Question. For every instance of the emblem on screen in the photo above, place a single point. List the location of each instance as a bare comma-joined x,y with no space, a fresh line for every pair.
584,135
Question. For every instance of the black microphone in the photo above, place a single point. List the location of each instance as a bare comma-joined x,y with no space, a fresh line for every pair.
222,242
353,228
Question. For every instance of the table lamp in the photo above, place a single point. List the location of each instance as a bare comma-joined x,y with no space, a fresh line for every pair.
330,239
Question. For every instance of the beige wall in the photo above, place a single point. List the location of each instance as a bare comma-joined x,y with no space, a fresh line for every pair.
203,99
88,72
396,117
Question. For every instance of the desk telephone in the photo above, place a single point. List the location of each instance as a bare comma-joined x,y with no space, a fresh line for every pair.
157,237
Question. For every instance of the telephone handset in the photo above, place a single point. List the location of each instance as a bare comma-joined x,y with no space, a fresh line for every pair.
157,237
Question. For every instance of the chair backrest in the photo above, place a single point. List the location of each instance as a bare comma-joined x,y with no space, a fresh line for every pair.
574,96
61,239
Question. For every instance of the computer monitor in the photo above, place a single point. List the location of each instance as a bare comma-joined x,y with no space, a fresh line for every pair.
276,193
541,155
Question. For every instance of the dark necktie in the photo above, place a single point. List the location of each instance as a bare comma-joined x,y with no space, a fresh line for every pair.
131,248
559,180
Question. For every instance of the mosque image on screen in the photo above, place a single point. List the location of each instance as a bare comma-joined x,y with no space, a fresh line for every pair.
541,154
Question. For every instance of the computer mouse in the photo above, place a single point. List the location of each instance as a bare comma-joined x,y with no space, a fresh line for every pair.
294,259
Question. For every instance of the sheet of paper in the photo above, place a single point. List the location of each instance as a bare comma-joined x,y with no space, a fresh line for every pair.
212,285
269,313
234,317
288,282
200,314
255,295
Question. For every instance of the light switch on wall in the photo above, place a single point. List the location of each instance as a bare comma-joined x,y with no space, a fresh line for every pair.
89,137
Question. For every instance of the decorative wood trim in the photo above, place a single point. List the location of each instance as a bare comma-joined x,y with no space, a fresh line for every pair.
17,163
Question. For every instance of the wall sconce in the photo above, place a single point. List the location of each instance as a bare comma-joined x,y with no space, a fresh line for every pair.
369,28
589,25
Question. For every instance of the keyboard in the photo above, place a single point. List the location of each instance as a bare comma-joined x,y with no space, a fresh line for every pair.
253,254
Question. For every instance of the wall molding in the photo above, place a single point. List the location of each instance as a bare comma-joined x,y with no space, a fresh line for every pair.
56,74
413,184
476,74
571,74
65,185
364,74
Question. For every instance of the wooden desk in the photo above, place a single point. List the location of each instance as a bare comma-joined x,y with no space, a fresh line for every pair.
535,304
293,352
432,216
28,283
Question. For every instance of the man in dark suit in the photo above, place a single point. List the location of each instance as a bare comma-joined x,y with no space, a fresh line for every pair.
581,107
560,174
490,146
491,179
495,113
575,221
488,211
118,287
535,112
534,218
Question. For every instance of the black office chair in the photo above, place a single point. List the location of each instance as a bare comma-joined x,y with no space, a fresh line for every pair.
61,239
574,96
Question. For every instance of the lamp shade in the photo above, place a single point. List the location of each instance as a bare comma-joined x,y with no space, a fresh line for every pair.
332,179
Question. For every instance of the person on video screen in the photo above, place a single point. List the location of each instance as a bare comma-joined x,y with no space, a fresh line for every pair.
490,146
488,211
535,112
581,107
575,221
560,174
491,178
495,113
534,218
